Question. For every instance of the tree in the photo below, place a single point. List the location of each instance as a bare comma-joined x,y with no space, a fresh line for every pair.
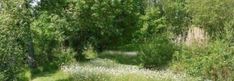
176,14
114,20
100,23
211,15
12,41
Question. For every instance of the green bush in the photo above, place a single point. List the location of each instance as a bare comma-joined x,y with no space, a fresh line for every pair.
213,62
154,37
156,52
24,76
63,56
48,38
89,52
1,76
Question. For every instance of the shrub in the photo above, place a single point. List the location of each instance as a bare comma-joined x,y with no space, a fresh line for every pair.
59,57
64,56
214,61
155,45
24,76
89,52
156,52
51,48
1,76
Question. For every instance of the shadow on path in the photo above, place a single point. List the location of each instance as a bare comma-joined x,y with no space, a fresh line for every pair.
120,56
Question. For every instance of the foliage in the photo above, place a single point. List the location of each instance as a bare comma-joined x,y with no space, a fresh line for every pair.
213,62
12,53
24,76
152,23
156,52
89,53
100,23
12,32
61,30
229,32
176,13
211,15
156,47
48,35
112,19
63,56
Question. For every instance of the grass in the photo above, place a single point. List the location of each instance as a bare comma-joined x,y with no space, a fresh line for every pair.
104,69
108,70
57,76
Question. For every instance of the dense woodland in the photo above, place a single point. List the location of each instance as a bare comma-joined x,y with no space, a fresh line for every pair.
195,37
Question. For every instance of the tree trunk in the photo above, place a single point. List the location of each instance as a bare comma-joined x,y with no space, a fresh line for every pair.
31,55
30,45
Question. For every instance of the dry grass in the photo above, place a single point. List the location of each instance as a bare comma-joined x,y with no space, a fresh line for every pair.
196,36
